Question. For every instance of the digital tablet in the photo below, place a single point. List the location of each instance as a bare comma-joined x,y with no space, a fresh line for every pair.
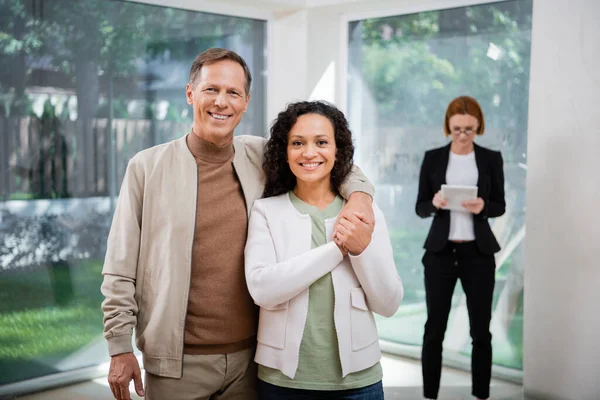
456,194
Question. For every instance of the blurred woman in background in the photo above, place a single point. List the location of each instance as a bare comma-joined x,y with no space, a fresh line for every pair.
460,243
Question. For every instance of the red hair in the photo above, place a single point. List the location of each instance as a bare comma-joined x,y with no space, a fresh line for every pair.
464,105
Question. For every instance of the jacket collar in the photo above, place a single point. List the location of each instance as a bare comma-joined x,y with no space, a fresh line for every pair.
182,149
247,175
240,165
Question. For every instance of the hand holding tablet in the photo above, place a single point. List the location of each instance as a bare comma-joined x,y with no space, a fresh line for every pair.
455,195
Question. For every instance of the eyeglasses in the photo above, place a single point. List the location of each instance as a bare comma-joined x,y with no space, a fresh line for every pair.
468,130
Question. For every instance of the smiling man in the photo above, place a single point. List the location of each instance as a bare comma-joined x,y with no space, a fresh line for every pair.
174,267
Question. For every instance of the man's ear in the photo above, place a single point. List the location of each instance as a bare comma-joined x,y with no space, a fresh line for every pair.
247,102
189,93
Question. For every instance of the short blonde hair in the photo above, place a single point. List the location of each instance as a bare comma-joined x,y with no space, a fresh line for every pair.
464,105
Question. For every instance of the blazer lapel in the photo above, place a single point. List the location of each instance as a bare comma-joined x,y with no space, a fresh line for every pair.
480,167
443,167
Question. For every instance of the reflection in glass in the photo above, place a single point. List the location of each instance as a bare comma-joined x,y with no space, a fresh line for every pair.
84,85
403,71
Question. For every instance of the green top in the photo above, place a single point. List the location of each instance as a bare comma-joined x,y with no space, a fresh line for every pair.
319,366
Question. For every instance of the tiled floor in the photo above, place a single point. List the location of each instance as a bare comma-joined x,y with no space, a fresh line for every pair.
402,380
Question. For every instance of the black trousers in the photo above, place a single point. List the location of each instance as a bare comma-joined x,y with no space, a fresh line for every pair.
476,272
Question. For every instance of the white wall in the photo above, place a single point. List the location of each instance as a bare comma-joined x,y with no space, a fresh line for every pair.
287,72
323,41
305,53
562,275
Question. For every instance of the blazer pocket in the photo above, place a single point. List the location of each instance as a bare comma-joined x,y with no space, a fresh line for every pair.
272,325
362,322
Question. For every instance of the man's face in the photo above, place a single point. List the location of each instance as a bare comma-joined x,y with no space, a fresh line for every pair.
219,100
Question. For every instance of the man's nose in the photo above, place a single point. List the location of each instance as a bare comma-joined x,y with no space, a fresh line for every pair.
221,100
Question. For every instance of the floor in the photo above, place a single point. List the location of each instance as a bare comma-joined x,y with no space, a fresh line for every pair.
402,380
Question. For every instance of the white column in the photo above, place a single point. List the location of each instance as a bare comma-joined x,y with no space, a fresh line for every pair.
562,273
288,55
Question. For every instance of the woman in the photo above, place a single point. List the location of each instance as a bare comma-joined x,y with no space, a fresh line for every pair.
317,336
460,244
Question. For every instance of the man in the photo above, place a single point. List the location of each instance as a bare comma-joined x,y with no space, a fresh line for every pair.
174,267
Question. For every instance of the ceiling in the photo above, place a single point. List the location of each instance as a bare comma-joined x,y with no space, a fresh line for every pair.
308,3
282,5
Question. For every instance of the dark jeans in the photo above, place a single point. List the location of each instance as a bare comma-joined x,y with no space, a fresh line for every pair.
266,391
476,272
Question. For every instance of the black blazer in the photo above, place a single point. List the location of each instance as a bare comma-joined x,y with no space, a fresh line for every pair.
490,188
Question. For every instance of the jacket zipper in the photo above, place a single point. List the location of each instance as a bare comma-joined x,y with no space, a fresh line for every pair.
190,276
335,323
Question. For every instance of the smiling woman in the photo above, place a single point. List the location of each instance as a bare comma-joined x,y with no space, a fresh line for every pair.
317,284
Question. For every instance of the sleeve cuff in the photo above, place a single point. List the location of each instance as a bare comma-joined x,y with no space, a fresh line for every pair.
338,255
483,214
119,345
350,188
358,257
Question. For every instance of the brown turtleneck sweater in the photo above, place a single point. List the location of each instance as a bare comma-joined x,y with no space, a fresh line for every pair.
221,316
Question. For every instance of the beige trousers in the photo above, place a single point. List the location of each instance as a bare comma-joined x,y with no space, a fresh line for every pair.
208,377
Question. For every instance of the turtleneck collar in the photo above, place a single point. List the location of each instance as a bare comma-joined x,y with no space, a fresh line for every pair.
208,152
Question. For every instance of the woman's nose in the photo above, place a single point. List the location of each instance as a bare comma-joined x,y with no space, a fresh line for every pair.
309,151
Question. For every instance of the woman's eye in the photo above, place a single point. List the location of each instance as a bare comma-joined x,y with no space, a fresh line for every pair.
322,142
296,143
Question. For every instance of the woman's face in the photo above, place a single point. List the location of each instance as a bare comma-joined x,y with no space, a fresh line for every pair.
463,128
311,149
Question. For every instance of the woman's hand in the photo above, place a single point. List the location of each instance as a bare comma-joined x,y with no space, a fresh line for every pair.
474,206
340,244
438,200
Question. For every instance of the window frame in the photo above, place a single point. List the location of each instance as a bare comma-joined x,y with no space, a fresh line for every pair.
380,10
242,11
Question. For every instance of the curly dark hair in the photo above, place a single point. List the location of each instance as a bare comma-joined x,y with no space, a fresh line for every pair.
279,177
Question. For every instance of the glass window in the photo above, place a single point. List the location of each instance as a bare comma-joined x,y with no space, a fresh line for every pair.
403,72
85,84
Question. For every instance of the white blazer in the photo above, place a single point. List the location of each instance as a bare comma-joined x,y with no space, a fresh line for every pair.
281,266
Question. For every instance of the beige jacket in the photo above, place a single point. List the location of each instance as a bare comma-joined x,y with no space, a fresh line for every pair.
148,259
